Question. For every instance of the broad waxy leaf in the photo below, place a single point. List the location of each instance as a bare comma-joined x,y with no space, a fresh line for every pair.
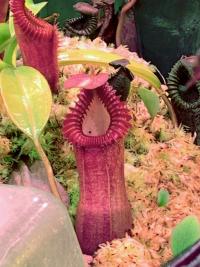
151,101
27,98
99,57
185,234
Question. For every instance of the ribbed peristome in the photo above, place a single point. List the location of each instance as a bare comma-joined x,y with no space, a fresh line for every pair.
38,42
117,110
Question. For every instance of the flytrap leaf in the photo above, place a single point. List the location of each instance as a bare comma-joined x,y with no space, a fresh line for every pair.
151,101
27,98
185,234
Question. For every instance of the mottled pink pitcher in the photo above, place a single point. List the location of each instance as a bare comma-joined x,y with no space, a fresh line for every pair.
96,127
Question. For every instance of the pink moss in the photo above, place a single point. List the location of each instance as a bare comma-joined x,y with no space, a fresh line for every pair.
38,41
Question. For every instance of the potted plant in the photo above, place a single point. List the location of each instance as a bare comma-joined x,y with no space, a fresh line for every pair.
38,42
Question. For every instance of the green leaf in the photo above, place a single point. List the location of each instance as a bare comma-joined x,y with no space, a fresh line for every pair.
10,52
35,8
185,234
117,5
4,45
151,101
163,198
4,34
27,98
86,56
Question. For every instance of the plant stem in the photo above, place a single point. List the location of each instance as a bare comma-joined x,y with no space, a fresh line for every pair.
169,106
125,9
48,168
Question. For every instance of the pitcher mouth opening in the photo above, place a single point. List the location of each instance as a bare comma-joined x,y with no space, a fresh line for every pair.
98,118
182,96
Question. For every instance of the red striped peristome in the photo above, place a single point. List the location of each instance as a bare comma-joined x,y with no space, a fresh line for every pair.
118,112
38,41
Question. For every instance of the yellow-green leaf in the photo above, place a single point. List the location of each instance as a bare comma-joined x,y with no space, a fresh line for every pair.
100,57
143,71
27,98
86,56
